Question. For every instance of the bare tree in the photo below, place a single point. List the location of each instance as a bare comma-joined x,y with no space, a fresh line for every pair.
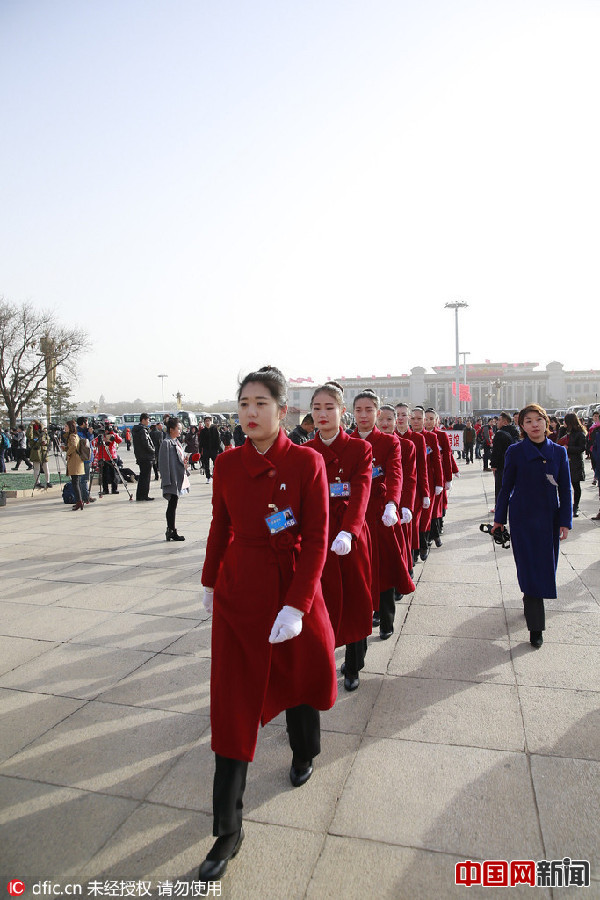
33,347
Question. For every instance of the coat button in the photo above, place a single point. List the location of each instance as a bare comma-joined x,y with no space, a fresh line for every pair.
271,473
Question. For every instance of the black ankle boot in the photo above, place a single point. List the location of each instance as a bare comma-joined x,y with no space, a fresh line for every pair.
224,849
177,537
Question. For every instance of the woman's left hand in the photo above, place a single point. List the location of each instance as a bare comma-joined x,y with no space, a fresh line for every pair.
564,533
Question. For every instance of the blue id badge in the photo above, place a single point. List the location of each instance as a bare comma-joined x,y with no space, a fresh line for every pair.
428,450
377,472
339,489
281,520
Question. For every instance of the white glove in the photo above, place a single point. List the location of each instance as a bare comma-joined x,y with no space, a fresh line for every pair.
390,516
288,624
448,485
456,475
426,502
406,516
207,600
438,490
342,544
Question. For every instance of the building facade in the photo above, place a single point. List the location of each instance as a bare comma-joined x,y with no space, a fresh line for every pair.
492,386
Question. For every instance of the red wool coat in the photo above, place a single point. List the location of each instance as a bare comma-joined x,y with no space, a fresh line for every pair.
409,487
435,477
346,580
422,489
389,568
447,457
254,575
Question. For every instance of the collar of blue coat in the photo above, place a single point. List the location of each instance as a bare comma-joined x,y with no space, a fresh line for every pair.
256,463
532,451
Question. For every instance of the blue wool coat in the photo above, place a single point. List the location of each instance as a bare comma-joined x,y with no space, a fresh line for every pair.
536,493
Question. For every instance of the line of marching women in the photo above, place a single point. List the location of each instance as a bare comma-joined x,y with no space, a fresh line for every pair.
309,546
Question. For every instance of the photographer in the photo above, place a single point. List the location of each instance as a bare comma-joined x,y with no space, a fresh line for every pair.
143,448
105,452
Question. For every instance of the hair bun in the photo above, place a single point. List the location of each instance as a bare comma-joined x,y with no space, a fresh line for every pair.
271,369
334,384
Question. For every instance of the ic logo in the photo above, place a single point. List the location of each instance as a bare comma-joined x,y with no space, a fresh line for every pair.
15,887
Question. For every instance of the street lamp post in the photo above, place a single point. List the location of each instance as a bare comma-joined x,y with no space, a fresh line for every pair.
162,381
456,305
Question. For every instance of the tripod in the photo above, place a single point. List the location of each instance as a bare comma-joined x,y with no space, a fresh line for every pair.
100,463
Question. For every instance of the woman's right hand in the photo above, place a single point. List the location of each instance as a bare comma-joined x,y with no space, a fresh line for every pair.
207,599
496,525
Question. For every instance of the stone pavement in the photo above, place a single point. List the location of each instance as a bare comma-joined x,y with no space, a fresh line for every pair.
462,742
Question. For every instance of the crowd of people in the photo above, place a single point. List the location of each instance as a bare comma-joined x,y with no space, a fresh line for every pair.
315,536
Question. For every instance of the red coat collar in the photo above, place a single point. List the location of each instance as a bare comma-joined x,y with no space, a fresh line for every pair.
334,450
256,463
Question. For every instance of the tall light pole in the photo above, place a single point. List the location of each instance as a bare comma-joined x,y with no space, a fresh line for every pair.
456,305
162,378
464,354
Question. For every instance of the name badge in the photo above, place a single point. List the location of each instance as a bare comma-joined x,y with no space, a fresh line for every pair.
281,520
377,472
339,489
428,450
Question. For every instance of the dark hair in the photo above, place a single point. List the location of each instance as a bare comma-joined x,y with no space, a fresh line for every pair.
506,416
431,409
388,407
398,405
274,381
144,416
335,391
172,422
72,426
573,424
307,420
367,394
81,420
533,408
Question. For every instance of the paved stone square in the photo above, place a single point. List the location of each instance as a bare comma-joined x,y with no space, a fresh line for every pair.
462,742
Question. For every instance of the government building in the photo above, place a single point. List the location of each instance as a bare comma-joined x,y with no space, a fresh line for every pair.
492,386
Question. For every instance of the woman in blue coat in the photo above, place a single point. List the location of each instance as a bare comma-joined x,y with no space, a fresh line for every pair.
536,494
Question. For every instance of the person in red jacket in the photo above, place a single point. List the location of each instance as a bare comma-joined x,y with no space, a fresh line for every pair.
272,640
346,578
434,476
431,423
422,499
389,568
386,422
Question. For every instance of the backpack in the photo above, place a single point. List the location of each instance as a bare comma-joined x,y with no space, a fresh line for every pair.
5,441
68,494
83,449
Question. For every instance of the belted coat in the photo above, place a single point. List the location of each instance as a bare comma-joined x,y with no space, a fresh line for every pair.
346,580
536,494
254,574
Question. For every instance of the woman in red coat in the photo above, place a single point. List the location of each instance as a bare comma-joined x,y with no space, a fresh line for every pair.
272,641
422,499
435,477
346,578
389,569
431,425
386,422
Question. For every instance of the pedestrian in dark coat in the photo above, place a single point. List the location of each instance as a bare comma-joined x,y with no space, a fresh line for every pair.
536,495
346,578
144,456
211,446
575,442
506,435
272,640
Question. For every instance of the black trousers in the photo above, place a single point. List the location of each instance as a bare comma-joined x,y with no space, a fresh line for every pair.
387,610
434,530
304,732
355,658
76,487
576,495
143,485
468,453
487,452
535,615
497,482
171,510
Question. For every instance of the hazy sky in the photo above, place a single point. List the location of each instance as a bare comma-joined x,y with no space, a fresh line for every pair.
210,186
